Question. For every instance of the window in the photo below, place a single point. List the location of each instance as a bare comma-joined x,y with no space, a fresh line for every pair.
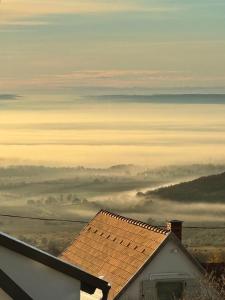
169,290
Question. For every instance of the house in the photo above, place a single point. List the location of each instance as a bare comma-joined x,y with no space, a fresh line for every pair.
28,273
139,261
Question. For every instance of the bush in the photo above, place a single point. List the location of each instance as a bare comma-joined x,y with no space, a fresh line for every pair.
209,288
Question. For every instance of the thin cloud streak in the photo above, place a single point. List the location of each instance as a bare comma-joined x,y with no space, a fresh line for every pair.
96,78
119,126
114,79
17,10
6,97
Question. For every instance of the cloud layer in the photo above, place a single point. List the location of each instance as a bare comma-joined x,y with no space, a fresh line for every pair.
113,79
8,97
15,11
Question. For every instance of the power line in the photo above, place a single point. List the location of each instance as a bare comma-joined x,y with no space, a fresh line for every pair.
43,219
85,222
198,227
204,227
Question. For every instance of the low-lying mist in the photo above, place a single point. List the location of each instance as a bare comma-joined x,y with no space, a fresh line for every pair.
158,210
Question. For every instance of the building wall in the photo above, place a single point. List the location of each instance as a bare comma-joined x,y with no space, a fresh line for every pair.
170,263
38,280
96,296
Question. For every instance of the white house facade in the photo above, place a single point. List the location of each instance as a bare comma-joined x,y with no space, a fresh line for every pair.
28,273
170,270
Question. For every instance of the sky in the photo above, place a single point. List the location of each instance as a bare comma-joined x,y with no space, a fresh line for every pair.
131,46
59,58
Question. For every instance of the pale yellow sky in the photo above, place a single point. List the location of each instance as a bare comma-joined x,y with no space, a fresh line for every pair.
106,134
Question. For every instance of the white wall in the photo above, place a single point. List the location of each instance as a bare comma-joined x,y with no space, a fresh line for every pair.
170,262
96,296
4,296
38,280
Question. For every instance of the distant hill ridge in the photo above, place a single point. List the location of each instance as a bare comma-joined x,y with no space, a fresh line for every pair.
204,189
166,98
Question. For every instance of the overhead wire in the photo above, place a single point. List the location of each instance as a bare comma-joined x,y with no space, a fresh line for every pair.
85,222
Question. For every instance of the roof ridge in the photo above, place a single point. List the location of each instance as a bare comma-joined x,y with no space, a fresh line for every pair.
134,222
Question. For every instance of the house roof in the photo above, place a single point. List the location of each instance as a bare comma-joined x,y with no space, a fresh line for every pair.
115,248
88,282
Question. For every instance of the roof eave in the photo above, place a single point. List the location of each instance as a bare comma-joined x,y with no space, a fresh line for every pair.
42,257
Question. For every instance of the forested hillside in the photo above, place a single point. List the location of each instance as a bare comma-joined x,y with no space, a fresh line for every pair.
205,189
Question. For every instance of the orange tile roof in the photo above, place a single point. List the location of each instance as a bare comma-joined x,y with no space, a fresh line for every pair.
115,248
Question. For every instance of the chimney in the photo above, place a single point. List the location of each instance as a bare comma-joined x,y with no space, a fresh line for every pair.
175,226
